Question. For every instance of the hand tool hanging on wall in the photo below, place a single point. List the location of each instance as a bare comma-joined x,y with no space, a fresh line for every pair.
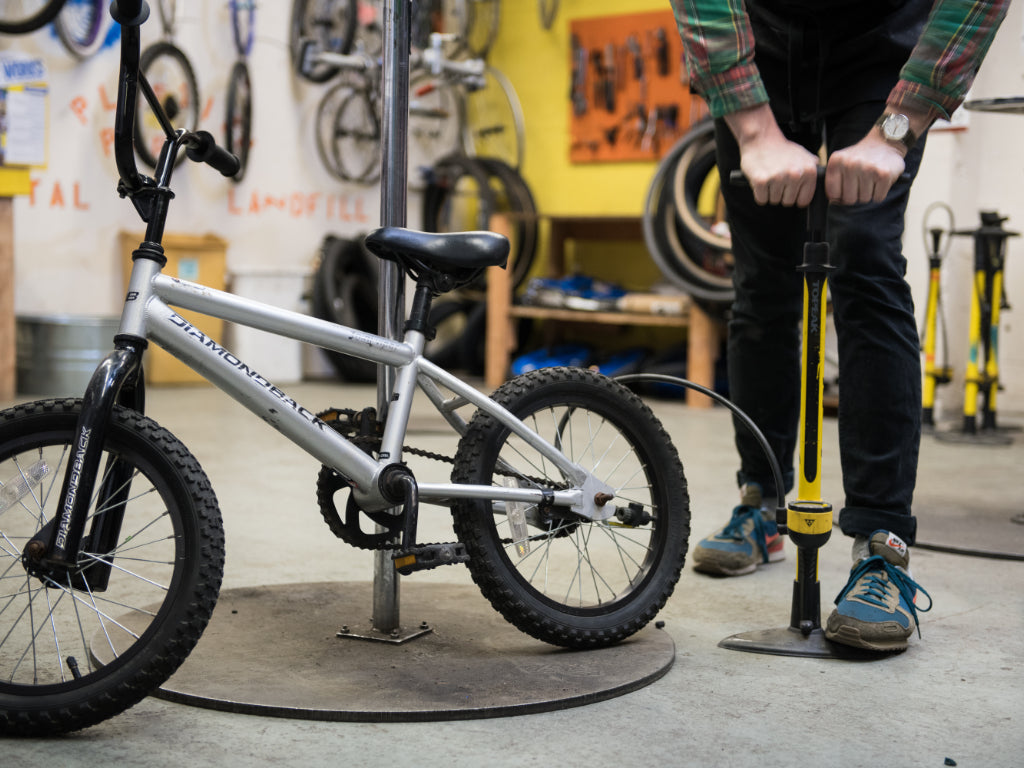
578,92
661,51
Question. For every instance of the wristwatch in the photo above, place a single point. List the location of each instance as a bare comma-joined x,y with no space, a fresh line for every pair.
896,127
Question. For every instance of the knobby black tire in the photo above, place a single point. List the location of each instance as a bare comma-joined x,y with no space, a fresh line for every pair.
15,20
582,584
168,562
346,291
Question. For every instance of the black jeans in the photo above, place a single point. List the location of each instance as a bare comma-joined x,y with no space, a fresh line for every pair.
879,358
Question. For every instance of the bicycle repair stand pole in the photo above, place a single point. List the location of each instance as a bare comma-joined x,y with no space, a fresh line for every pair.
808,519
987,298
396,15
934,375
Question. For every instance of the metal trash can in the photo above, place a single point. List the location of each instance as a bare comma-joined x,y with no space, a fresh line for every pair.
56,354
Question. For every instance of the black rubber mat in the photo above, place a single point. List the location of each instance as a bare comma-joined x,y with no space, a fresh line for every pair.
276,651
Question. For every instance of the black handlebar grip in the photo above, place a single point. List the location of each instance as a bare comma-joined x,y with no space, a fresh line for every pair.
205,150
129,13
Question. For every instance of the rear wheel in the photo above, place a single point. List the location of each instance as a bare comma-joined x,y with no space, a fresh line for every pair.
81,644
554,574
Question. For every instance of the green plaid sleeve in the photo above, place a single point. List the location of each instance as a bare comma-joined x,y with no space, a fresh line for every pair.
947,57
719,48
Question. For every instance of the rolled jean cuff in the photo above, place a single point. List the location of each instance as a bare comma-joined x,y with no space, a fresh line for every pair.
859,521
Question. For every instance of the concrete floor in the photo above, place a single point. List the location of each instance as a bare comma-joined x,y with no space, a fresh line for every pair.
957,693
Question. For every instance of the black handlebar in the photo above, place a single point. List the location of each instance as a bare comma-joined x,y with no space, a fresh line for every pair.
204,149
200,145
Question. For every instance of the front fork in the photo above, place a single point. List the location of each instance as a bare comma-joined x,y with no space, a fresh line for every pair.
55,548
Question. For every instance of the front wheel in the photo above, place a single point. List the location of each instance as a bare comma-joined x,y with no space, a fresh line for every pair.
83,643
556,575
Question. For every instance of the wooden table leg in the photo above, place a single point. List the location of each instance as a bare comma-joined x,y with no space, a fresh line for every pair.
701,355
500,338
7,328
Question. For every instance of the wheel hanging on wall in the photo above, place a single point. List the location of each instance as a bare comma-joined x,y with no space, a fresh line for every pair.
28,15
238,120
435,112
168,12
492,119
169,72
345,291
243,25
512,194
330,25
477,22
357,137
548,10
82,26
326,118
458,197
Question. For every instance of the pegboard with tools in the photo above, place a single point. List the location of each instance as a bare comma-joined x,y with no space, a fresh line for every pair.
630,97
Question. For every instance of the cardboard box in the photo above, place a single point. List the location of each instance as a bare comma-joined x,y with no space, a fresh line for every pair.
198,259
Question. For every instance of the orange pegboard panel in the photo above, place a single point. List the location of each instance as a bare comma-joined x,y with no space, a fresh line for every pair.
630,97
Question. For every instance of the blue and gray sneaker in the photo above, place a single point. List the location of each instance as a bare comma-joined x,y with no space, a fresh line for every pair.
750,539
876,609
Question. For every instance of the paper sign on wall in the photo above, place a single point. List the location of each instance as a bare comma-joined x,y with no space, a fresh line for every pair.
22,111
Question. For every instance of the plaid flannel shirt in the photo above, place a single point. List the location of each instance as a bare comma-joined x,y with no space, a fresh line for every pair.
719,47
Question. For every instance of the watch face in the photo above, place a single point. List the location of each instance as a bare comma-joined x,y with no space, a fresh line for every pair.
895,127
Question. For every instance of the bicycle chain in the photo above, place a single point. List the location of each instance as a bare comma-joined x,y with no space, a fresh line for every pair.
346,422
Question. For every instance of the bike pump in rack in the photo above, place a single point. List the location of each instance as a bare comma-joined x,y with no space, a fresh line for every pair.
981,379
808,519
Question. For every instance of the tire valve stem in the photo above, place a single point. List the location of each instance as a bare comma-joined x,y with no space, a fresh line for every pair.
73,666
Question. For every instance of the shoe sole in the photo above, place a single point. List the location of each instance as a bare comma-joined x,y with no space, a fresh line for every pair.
851,636
715,569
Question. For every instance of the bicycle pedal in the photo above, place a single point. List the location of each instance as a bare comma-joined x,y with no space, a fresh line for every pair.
426,556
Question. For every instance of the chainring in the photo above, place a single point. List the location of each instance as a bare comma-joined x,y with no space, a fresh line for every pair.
362,429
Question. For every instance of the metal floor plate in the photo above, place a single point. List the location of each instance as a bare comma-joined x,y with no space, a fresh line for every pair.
275,651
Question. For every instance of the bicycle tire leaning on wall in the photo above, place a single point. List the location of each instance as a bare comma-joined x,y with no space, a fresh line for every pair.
688,248
345,291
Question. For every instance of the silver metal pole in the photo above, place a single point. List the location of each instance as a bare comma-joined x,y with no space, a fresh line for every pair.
391,314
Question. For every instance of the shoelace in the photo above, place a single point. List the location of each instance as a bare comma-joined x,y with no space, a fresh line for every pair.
875,589
734,530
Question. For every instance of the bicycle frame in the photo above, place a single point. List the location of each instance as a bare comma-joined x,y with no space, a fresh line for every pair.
150,311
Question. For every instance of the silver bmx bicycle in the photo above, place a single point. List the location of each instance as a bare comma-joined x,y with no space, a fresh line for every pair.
567,497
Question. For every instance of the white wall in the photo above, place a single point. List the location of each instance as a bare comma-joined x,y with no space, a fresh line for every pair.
67,255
